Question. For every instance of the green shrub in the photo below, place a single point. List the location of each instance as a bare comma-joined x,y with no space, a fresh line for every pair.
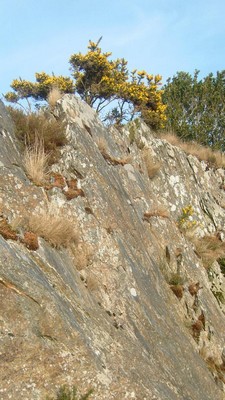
65,393
176,279
221,262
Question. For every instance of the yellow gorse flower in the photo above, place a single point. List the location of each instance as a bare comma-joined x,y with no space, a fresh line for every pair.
185,220
98,79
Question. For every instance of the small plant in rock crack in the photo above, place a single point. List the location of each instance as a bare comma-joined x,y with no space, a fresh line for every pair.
103,148
49,131
185,220
152,166
36,162
221,262
176,279
210,249
156,212
176,282
65,393
52,226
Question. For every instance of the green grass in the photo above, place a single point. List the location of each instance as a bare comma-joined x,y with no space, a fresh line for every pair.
66,393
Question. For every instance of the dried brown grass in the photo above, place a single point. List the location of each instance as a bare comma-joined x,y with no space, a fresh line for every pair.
92,283
49,130
36,162
82,254
102,145
209,249
171,138
16,222
152,166
56,229
103,148
54,95
156,212
213,363
213,157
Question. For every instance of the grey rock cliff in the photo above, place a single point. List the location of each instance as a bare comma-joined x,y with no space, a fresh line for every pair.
102,315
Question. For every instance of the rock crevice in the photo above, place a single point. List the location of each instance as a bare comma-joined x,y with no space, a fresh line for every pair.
133,308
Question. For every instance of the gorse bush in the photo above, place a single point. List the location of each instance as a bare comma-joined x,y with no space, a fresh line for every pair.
193,108
185,220
40,89
99,81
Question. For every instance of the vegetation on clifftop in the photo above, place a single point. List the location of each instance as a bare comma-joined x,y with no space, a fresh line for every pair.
101,81
196,108
192,108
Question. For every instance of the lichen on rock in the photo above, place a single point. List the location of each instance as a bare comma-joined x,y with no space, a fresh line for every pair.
105,311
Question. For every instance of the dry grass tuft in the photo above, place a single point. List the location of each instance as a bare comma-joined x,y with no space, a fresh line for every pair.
171,138
156,212
16,223
36,162
56,229
82,254
209,249
53,96
81,260
49,130
213,363
102,146
152,166
213,157
92,284
218,370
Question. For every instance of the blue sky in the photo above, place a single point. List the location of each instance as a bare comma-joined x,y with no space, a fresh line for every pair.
160,36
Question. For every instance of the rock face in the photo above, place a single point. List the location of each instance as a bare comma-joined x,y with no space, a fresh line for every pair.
129,310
